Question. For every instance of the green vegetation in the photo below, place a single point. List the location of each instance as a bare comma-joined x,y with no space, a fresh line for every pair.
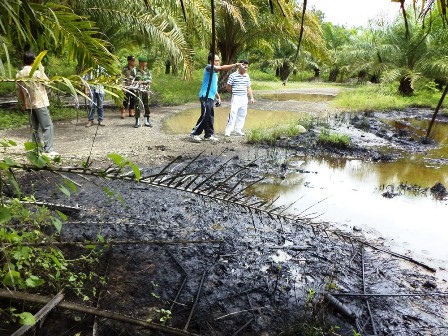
333,139
11,119
382,98
271,135
174,90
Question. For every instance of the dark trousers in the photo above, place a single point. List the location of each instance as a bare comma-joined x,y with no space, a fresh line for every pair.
129,101
143,102
206,120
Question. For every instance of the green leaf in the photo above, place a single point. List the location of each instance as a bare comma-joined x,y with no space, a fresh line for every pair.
71,185
34,281
36,159
117,159
30,146
62,215
5,215
57,224
27,318
108,192
10,162
137,173
36,63
64,190
12,278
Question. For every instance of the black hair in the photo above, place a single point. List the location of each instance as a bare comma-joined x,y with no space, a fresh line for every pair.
211,57
28,57
244,61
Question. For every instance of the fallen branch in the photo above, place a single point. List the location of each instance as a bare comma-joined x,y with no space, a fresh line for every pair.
397,255
241,311
40,314
339,306
93,311
429,268
122,242
389,294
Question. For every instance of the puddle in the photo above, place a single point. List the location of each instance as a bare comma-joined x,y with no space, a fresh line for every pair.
349,192
285,96
184,121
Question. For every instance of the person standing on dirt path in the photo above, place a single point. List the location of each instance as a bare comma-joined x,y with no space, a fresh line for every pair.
34,100
96,95
238,84
206,120
144,79
128,73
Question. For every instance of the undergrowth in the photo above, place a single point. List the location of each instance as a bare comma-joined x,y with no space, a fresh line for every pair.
333,139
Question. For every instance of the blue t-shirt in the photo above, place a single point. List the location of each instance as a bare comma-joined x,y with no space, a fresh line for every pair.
214,85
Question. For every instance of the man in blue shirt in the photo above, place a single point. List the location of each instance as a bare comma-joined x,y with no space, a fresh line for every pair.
206,120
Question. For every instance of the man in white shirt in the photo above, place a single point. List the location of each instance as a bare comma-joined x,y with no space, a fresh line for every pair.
239,85
35,101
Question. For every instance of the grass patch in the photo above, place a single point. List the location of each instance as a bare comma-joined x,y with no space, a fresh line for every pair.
15,118
383,98
271,135
172,90
278,85
333,139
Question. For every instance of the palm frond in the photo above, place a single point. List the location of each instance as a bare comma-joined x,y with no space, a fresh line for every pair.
216,186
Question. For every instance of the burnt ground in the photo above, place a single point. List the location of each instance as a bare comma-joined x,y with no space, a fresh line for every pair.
250,274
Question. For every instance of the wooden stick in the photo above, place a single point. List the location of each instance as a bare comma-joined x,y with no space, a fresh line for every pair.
20,296
40,314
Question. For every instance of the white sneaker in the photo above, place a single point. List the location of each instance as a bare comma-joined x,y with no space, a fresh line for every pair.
226,135
195,138
240,133
211,138
52,154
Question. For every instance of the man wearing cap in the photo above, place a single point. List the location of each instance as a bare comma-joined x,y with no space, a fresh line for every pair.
128,74
144,79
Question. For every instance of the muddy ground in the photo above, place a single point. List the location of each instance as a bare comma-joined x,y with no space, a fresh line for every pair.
251,273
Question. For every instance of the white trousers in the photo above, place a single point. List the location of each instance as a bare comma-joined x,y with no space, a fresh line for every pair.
237,116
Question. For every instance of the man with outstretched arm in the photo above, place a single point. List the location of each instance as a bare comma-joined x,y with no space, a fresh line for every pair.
206,120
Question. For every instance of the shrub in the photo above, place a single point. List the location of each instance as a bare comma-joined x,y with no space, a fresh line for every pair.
333,139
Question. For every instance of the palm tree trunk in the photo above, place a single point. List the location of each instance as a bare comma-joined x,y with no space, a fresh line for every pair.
405,87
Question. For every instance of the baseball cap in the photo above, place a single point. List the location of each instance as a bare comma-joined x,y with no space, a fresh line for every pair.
131,58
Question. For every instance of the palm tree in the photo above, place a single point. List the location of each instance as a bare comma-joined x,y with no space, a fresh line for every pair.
254,24
336,37
158,26
47,26
410,53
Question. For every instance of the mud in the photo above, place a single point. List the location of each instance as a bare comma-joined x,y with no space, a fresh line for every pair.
265,276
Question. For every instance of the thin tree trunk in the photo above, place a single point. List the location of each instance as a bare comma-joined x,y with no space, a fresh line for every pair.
435,112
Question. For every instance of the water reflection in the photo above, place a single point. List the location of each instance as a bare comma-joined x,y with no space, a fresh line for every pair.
352,191
183,122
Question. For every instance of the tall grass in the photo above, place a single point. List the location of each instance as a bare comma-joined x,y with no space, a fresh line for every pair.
383,98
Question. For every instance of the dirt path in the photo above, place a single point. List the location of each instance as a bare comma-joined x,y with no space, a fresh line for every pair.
149,146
